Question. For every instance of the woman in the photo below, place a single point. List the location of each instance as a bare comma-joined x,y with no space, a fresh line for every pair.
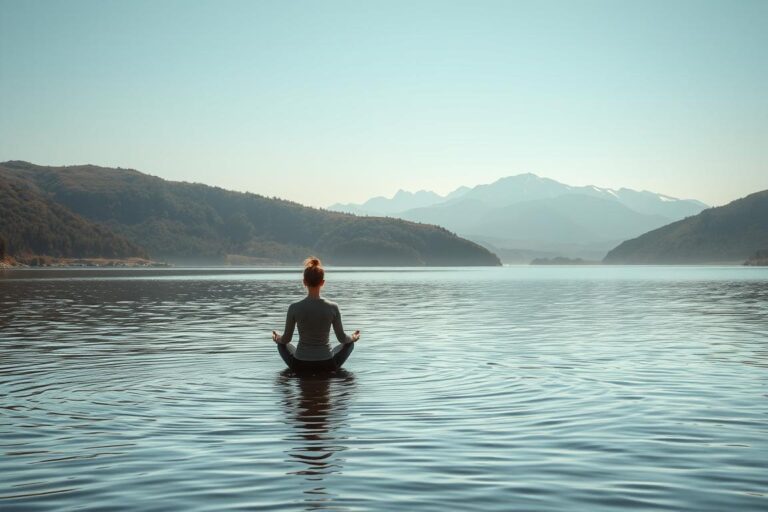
315,316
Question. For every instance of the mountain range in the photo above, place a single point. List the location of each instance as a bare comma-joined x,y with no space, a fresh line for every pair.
727,234
525,216
96,212
88,211
400,202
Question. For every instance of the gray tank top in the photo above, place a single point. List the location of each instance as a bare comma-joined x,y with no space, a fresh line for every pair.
314,318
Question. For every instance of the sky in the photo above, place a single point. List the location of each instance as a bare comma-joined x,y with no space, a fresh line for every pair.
338,101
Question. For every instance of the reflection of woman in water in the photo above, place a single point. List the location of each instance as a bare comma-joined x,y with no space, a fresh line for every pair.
316,409
314,316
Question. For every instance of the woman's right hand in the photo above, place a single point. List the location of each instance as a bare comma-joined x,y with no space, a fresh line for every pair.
355,336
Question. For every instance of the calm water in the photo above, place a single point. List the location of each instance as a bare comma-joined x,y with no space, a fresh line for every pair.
522,388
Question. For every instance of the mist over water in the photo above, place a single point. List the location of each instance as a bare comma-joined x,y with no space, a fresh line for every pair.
530,388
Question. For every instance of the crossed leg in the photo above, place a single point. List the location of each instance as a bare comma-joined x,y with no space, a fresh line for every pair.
339,355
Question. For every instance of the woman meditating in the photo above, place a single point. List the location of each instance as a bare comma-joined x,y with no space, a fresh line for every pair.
315,316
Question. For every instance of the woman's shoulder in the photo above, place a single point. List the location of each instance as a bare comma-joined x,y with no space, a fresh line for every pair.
298,304
330,303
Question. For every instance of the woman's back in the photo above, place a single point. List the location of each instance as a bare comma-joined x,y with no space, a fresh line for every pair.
314,317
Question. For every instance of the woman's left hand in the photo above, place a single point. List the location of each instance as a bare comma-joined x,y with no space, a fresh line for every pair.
275,337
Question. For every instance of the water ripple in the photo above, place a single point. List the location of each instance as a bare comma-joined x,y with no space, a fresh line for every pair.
472,389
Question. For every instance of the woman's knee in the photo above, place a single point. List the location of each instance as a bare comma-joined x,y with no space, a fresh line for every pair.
343,348
286,353
343,352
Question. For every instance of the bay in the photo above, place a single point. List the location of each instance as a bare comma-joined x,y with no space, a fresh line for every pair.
514,388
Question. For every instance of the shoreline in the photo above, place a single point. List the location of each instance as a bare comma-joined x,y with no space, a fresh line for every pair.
50,262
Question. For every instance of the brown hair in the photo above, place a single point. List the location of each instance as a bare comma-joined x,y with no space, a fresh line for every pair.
313,271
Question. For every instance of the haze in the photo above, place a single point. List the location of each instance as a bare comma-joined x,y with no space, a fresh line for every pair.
324,102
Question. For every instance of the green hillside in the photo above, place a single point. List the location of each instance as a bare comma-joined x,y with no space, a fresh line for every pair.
727,234
194,223
32,224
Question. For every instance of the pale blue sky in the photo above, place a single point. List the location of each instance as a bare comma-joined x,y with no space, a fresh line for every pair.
321,102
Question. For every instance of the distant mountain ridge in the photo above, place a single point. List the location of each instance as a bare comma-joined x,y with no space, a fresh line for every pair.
401,201
528,214
727,234
124,212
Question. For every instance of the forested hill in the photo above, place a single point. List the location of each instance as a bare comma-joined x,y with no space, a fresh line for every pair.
33,224
194,223
727,234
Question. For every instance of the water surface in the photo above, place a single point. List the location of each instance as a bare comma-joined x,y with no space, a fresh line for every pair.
518,388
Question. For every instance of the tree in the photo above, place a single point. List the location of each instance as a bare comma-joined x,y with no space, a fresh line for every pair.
2,248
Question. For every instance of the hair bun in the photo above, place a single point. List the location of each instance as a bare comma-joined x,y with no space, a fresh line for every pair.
314,274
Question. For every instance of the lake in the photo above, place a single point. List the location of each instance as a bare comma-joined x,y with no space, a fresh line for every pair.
515,388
